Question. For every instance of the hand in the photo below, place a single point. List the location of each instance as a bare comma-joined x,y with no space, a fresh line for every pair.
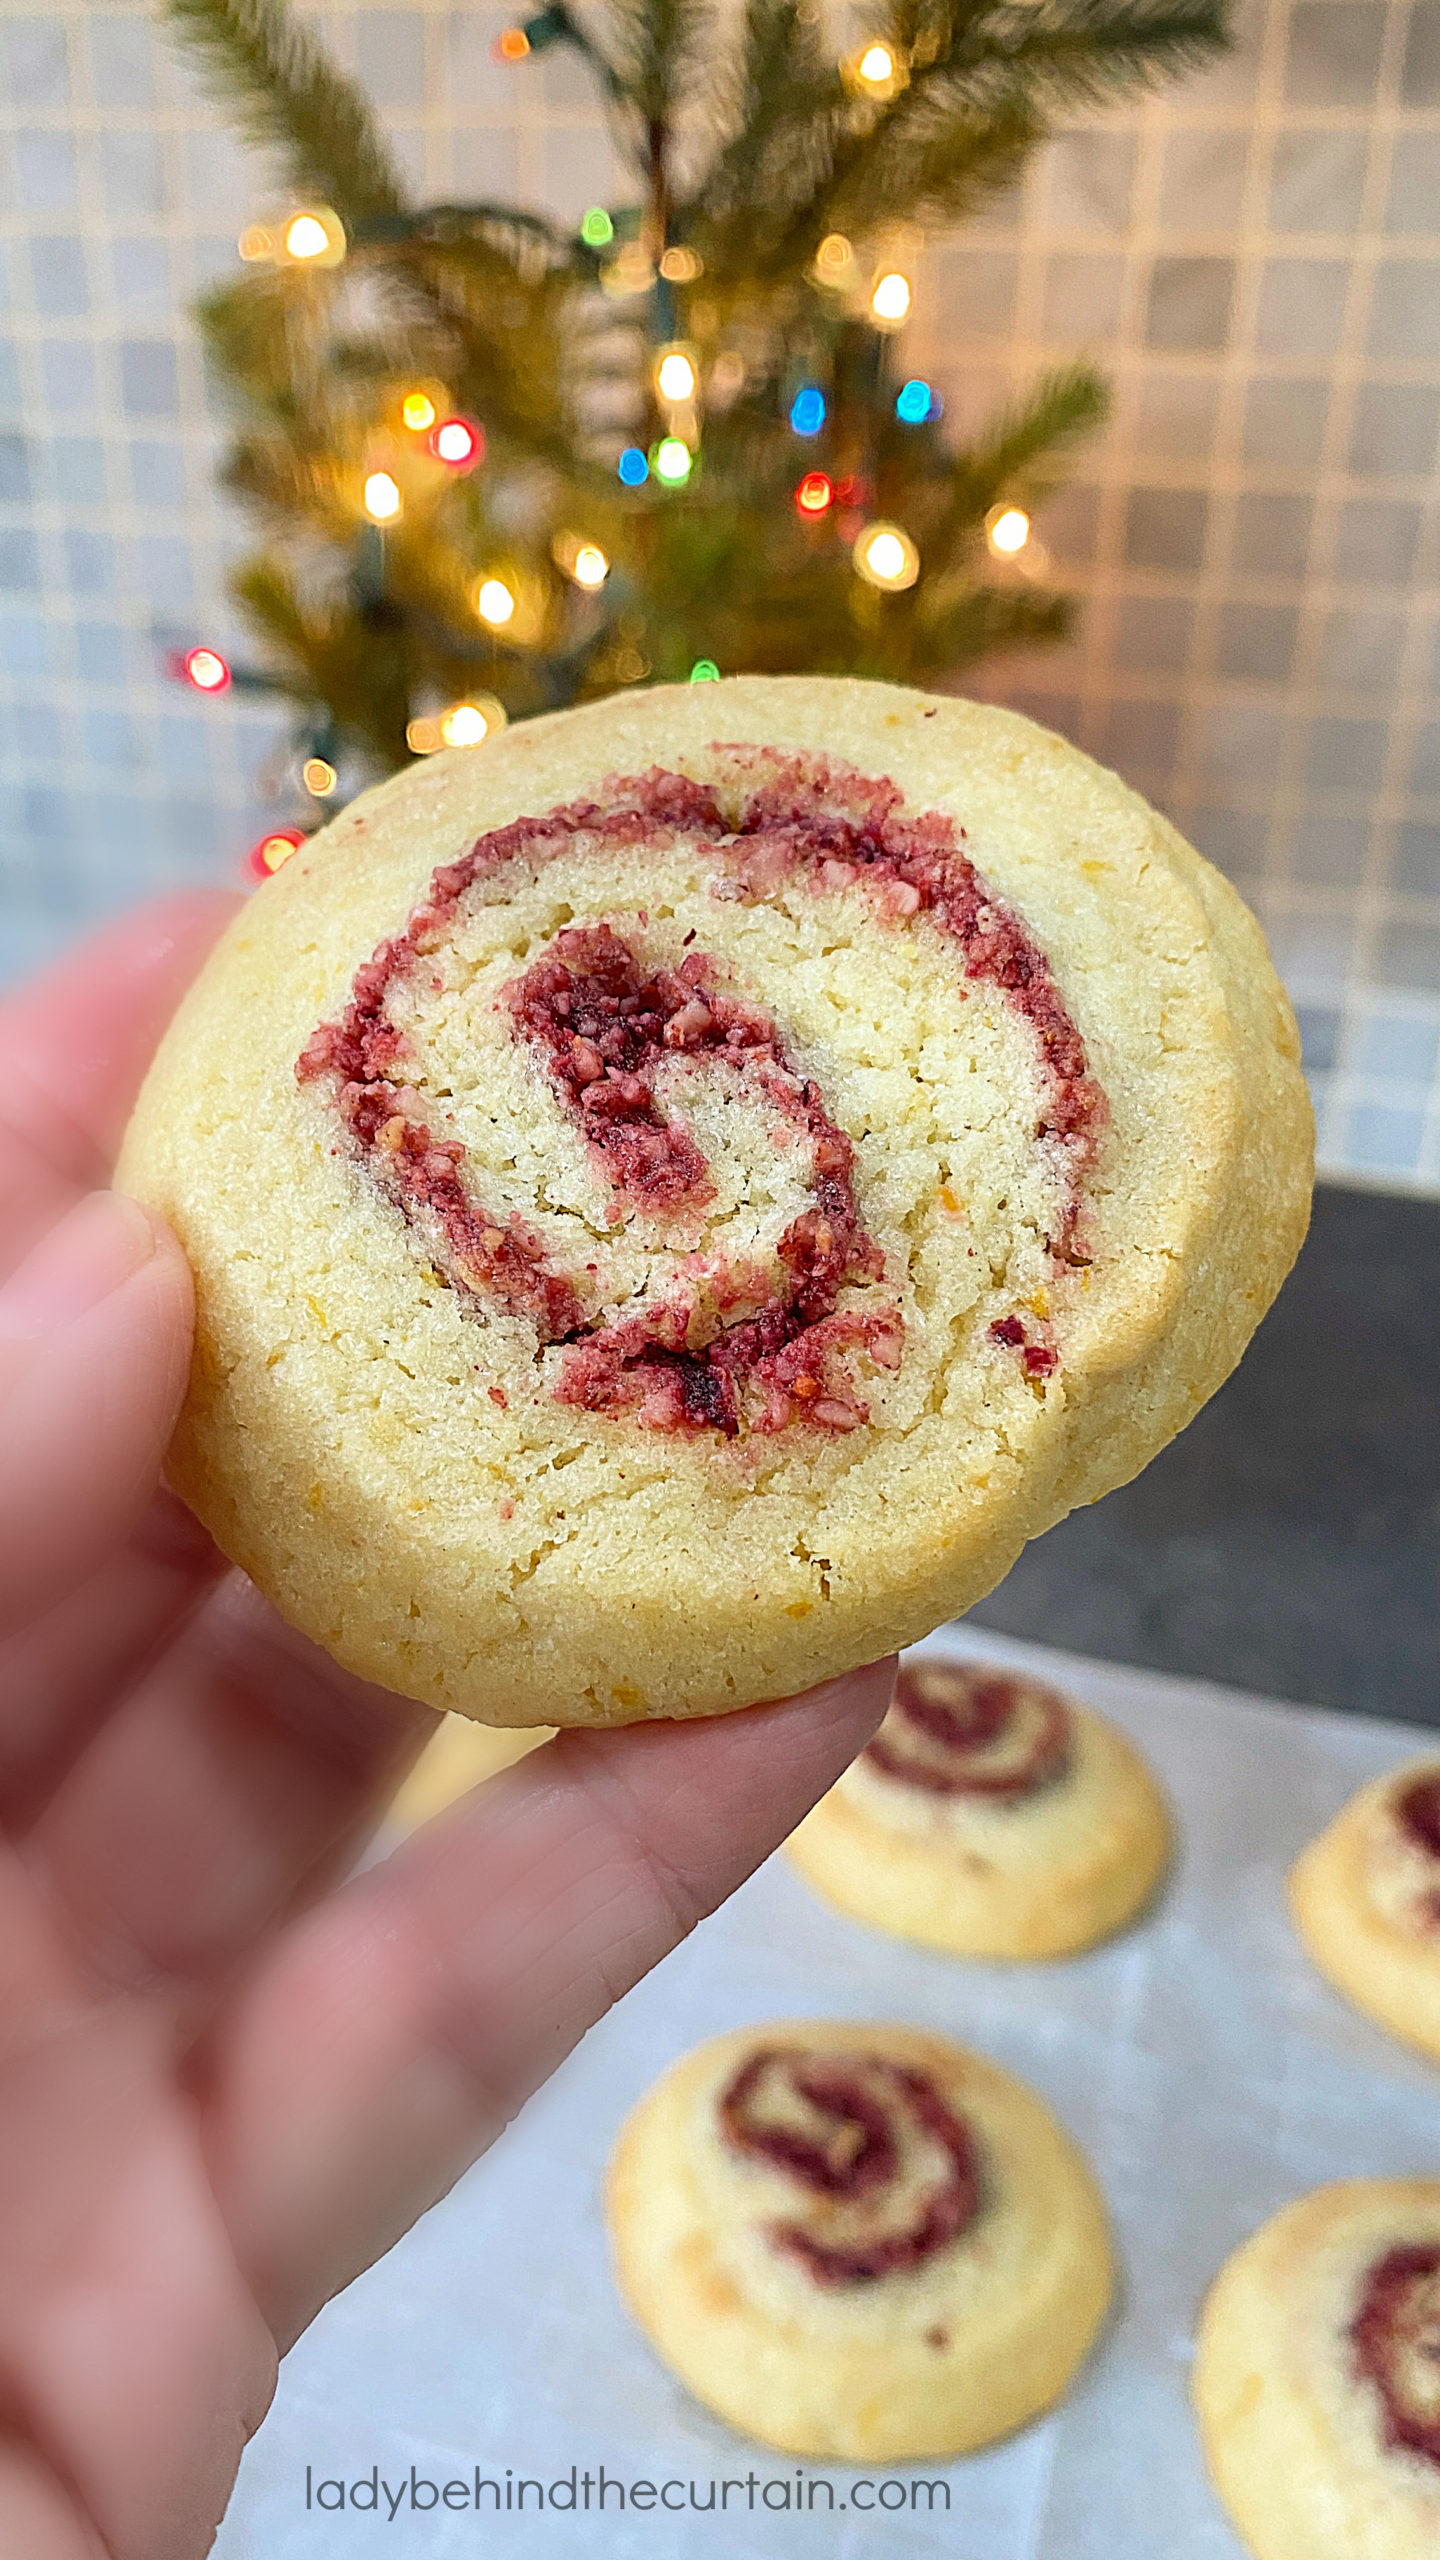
229,2078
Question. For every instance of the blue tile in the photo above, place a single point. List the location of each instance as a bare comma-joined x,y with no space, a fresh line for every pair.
19,557
141,272
35,727
24,643
1400,1047
14,470
1380,1139
184,739
157,473
390,55
1319,1036
67,375
48,811
1409,956
167,574
102,652
122,60
45,171
110,738
149,383
77,465
38,74
133,173
57,270
89,562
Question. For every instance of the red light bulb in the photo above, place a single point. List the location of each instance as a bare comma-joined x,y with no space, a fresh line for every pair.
813,494
457,442
205,669
274,848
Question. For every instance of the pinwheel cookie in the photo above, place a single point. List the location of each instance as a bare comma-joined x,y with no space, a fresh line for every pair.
857,2240
678,1195
1365,1897
990,1816
1317,2376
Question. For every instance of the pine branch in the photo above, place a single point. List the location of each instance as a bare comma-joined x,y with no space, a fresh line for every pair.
1024,454
654,44
289,97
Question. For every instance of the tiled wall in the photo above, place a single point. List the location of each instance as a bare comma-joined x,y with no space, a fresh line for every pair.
1256,258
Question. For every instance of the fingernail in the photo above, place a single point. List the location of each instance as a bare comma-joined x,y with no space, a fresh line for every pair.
90,1254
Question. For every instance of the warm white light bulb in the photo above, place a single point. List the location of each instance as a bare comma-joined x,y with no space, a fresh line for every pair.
319,777
890,296
307,237
464,725
675,376
591,568
382,497
495,603
1007,530
885,557
418,411
876,65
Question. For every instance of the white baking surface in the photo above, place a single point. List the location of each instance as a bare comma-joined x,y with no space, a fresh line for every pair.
1207,2070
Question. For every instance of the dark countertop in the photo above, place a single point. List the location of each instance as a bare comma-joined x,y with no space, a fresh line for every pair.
1289,1541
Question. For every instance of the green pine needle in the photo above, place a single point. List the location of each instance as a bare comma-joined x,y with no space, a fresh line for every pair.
290,98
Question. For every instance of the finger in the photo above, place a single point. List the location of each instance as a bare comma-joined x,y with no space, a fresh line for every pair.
398,2027
38,2516
76,1043
65,1672
94,1350
233,1782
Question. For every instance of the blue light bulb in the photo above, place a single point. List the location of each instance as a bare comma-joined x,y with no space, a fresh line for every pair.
633,467
914,402
807,410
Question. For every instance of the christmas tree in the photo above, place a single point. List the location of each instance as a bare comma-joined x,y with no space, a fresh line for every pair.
499,466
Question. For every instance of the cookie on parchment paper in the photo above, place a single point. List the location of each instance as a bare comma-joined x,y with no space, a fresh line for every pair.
1365,1898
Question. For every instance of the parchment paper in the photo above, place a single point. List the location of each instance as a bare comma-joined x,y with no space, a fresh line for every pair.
1208,2071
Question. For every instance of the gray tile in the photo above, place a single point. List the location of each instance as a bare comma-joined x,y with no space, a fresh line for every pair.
1165,528
1405,312
222,176
1396,427
77,466
14,470
1203,179
1310,946
1069,525
9,379
485,162
141,273
132,172
102,652
1088,181
45,171
1345,755
1333,56
973,294
67,375
167,571
1319,1036
36,68
1140,737
57,273
1361,649
1233,839
1175,416
1409,956
561,78
89,562
38,735
1420,79
1188,304
1236,745
49,812
1081,301
19,558
1398,1046
475,83
1256,642
184,746
1382,1138
1414,185
1272,535
1415,862
122,53
1317,181
1153,633
1330,847
1285,424
1425,758
1376,541
390,55
157,472
1302,300
149,385
109,739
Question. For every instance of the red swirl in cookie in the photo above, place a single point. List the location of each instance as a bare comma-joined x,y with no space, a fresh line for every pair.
1417,1810
958,1729
891,2173
1395,2338
734,1346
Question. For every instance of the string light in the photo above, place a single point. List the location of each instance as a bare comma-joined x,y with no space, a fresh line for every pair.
495,602
874,72
814,494
675,377
596,228
704,671
915,402
834,257
672,461
632,467
459,442
314,238
511,45
1007,530
256,241
890,298
205,669
422,736
885,557
319,777
382,497
273,850
418,411
464,725
807,410
682,266
591,568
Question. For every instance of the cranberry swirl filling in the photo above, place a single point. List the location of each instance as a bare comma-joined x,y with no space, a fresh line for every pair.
742,1349
1417,1810
954,1729
891,2174
1395,2341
